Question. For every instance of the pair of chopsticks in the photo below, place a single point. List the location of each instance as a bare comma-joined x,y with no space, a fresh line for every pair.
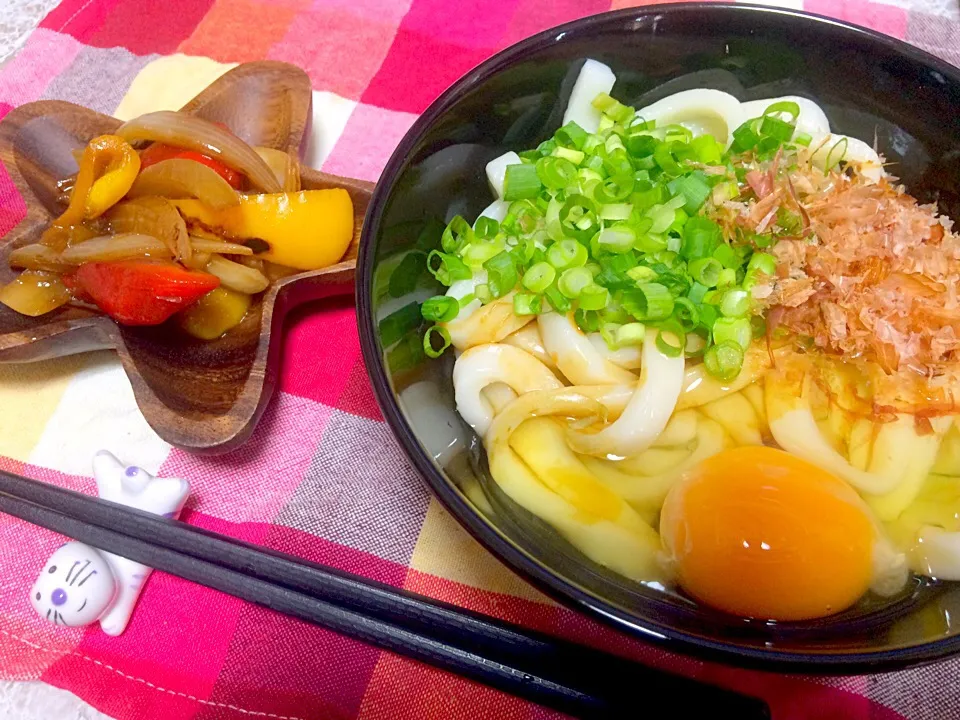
544,669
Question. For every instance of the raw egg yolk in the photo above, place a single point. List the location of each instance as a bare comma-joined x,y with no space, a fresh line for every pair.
760,533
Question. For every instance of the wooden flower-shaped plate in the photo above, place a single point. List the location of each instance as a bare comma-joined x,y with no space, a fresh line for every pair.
201,396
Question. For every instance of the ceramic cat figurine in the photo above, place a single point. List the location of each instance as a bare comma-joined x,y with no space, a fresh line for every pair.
80,585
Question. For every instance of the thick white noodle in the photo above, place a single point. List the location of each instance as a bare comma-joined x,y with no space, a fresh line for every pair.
824,146
701,111
575,355
812,119
497,171
594,78
528,338
796,432
497,210
427,409
484,365
626,357
937,553
648,411
461,288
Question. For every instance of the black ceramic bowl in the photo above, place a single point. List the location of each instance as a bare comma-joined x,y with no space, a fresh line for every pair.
869,85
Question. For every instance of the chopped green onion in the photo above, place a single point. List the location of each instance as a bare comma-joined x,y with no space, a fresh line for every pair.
555,173
775,128
587,320
727,278
705,271
501,274
594,297
745,138
836,154
784,106
457,234
571,135
406,274
447,268
617,239
527,304
697,292
615,189
640,143
736,330
566,254
727,256
650,301
558,301
479,251
686,313
521,182
630,334
652,243
466,300
539,277
642,273
406,354
574,156
694,188
578,218
723,192
663,157
662,217
573,281
486,228
789,221
440,308
803,139
614,109
616,211
434,334
608,332
668,348
482,291
701,236
724,360
707,150
735,303
762,262
398,323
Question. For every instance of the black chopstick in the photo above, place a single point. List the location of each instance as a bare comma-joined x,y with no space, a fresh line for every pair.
536,666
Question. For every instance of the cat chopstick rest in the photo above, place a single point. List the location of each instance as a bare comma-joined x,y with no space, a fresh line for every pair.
79,584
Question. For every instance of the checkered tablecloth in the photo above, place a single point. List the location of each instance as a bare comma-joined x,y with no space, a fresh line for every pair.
321,478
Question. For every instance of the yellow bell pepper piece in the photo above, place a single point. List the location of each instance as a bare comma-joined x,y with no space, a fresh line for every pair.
215,313
307,230
115,166
108,167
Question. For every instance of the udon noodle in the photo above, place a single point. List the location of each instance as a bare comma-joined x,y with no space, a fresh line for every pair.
844,355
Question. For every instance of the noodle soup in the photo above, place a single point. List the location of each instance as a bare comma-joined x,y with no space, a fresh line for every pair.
712,344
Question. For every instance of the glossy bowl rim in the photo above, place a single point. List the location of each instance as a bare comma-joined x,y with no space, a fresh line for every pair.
550,581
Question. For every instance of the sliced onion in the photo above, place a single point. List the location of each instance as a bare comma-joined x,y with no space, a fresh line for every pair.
199,260
284,166
153,216
193,133
37,257
179,178
34,293
220,247
108,248
236,276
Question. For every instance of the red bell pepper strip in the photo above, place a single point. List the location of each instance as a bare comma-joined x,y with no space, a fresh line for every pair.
158,151
140,292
